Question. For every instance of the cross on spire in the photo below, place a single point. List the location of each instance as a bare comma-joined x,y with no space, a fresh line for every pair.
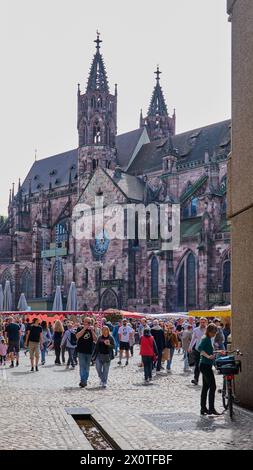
157,73
98,41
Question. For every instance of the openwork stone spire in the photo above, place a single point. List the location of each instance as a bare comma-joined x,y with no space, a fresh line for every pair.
97,80
157,104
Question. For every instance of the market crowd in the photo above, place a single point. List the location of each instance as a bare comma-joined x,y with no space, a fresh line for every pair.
87,341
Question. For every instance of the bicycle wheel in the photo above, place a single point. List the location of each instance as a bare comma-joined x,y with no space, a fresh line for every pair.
225,394
230,398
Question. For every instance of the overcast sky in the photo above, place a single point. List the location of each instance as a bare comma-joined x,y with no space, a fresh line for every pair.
47,47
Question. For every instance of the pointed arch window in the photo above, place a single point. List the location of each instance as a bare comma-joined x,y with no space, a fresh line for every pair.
154,280
86,277
226,275
96,133
26,283
186,284
7,276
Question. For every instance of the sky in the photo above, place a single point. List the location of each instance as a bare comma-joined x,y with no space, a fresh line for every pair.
46,48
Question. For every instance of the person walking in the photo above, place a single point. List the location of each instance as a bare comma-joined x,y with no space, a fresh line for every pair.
58,332
148,349
186,341
171,343
3,351
35,341
207,357
46,340
69,342
219,339
103,354
197,336
226,333
12,337
125,335
86,336
159,337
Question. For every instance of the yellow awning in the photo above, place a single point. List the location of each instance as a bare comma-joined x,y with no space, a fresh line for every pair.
210,313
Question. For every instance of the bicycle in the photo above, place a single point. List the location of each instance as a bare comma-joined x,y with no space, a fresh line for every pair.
228,366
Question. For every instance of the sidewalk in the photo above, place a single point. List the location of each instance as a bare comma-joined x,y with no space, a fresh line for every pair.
164,415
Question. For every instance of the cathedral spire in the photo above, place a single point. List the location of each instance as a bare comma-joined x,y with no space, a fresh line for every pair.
157,104
158,123
97,80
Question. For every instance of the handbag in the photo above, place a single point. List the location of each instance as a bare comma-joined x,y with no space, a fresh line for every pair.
191,359
166,354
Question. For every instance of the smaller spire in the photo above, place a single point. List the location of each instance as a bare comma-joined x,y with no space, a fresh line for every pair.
98,41
13,190
116,89
19,185
10,197
78,89
142,121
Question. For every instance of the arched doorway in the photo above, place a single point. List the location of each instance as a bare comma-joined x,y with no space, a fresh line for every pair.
109,300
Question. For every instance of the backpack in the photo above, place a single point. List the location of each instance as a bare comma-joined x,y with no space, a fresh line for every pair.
72,339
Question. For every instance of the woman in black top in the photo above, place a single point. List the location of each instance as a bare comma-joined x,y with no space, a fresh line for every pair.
104,354
57,337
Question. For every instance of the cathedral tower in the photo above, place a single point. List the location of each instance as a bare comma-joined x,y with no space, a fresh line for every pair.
97,121
158,122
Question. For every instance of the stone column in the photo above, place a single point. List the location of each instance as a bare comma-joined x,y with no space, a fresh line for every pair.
240,195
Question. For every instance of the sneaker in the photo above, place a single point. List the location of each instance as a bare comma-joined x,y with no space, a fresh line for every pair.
168,371
11,365
126,363
73,367
194,382
17,363
104,385
205,411
119,363
37,369
43,363
32,369
67,367
82,384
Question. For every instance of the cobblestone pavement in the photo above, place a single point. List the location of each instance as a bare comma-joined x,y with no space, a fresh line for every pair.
162,415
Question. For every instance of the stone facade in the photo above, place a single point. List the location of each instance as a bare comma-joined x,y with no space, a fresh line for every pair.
150,165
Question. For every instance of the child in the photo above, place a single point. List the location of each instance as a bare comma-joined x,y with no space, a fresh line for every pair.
3,351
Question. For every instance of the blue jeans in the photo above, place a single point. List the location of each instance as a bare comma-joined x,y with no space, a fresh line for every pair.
43,352
71,352
102,370
84,364
186,360
169,362
116,342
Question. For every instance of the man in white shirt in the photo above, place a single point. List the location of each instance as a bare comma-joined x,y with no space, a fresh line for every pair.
125,336
197,335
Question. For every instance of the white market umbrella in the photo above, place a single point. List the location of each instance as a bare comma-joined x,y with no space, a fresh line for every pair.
72,298
57,305
22,303
1,298
7,297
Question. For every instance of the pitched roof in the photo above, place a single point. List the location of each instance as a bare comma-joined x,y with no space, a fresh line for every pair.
131,186
126,144
189,146
55,169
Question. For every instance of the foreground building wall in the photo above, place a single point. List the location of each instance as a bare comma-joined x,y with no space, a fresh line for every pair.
241,189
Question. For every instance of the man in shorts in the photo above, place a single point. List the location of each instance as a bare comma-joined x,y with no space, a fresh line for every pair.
35,340
12,336
125,336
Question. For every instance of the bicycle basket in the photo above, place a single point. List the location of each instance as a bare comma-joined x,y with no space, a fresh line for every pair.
224,360
230,369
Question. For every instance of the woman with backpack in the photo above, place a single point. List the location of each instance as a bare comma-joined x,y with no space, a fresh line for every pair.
69,342
147,351
46,340
103,354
